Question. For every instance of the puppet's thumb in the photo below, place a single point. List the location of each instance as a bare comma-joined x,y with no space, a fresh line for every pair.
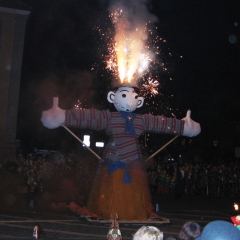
188,115
55,102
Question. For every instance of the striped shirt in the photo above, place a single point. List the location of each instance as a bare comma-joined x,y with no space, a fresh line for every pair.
122,146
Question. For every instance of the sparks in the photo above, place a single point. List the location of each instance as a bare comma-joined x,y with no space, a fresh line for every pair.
128,56
151,87
135,54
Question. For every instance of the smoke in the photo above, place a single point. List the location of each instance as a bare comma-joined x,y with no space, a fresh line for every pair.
136,11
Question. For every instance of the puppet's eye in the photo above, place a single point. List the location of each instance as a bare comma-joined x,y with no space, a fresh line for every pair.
123,95
136,96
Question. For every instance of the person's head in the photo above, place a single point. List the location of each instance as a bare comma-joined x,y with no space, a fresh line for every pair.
219,230
125,99
148,233
189,231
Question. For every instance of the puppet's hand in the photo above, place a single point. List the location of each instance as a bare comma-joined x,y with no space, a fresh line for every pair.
191,128
53,117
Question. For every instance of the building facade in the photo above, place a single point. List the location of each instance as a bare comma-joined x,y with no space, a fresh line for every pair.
12,31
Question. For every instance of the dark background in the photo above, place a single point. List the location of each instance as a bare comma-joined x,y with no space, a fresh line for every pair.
62,56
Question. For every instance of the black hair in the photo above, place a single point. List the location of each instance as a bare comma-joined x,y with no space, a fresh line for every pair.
190,231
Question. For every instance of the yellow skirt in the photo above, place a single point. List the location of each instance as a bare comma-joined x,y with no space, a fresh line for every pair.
110,195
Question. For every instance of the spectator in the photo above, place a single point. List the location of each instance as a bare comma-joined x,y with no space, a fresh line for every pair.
148,233
190,231
219,230
180,182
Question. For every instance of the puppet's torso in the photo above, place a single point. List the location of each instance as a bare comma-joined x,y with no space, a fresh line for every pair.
122,146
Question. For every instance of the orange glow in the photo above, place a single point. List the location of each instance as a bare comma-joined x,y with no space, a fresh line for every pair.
236,206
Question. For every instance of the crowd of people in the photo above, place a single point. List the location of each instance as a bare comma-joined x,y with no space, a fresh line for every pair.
211,180
34,169
46,181
189,231
215,230
171,177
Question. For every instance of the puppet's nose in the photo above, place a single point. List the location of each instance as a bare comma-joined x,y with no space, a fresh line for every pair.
128,107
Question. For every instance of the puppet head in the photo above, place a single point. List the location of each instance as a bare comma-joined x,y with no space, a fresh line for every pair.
125,99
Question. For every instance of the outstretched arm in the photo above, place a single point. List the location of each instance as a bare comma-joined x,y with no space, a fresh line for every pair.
77,118
160,124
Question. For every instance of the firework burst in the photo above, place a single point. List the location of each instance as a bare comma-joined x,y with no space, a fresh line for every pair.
129,55
134,56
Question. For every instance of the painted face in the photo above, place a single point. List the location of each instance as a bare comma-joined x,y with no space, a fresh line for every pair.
125,99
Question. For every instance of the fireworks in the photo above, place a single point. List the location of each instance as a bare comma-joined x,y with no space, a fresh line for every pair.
129,56
151,87
132,48
133,56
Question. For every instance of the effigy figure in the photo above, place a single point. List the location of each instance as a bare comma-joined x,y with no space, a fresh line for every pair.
121,185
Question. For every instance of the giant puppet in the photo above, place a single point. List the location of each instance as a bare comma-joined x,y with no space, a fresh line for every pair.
121,187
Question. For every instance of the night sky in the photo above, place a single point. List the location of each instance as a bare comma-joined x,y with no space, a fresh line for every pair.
62,56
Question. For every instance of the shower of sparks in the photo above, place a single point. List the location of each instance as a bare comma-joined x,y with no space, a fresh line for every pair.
128,48
129,56
134,56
